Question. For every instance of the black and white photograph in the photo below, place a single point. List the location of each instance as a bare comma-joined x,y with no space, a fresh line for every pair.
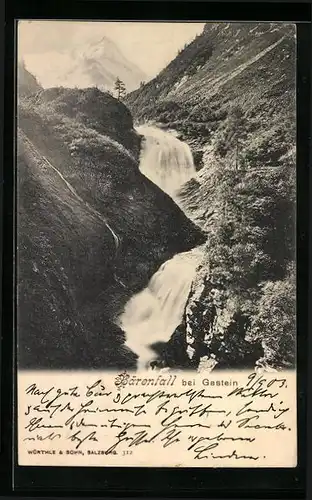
156,196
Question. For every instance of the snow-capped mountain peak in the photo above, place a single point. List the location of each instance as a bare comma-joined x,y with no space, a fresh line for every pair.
97,63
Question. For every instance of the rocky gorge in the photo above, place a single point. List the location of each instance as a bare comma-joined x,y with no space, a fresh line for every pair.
162,229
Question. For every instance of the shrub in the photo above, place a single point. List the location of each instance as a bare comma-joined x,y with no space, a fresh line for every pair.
274,323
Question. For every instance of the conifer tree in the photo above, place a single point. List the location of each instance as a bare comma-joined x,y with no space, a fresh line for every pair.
120,89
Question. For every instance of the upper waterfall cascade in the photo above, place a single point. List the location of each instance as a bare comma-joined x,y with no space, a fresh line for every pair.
165,160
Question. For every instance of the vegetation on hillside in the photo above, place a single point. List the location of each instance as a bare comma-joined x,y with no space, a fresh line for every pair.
236,109
249,264
90,107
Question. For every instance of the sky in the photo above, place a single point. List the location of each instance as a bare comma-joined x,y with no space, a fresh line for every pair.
151,46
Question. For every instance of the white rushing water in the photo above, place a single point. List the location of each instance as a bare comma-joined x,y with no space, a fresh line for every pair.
165,160
152,315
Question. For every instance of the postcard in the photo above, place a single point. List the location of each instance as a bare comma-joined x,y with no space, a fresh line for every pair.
155,244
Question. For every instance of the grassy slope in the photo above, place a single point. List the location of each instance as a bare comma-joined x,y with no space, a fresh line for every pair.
59,290
218,69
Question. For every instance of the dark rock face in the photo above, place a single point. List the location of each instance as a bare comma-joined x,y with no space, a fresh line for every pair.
27,83
173,354
61,276
216,330
72,279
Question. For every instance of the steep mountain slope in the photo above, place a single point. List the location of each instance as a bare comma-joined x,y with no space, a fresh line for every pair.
92,229
221,58
248,65
27,83
230,94
98,63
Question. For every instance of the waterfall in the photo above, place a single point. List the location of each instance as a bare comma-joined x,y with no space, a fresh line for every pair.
165,160
152,315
